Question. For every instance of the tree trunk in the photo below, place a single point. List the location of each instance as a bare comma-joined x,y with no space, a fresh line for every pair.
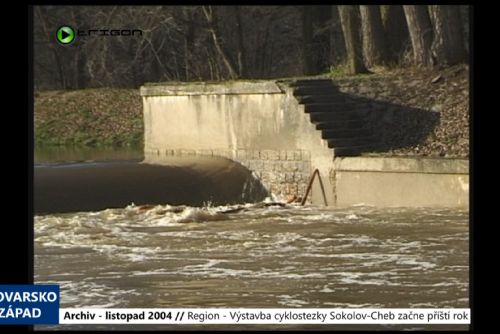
395,31
373,35
80,79
51,44
189,36
211,17
337,43
241,52
464,18
322,25
307,40
447,46
420,29
349,17
262,65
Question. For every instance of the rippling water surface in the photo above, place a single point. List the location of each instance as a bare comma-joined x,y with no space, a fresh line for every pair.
256,256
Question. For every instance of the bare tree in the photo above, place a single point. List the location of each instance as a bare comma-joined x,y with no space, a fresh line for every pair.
374,48
211,16
465,19
395,31
42,18
219,43
420,29
337,42
349,16
263,54
307,35
241,51
447,46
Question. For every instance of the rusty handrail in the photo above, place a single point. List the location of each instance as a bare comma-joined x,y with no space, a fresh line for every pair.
309,186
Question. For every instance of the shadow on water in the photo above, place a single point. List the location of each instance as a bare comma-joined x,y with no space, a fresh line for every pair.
71,187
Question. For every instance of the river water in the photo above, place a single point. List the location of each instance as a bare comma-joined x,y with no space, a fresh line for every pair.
255,256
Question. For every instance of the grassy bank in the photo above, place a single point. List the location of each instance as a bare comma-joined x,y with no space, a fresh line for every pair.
113,117
89,117
443,92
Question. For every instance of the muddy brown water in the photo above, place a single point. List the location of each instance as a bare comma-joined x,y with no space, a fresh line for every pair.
259,256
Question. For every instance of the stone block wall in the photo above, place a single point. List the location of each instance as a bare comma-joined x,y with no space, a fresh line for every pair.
284,173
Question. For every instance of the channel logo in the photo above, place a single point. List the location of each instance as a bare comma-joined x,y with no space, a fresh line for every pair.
65,35
29,304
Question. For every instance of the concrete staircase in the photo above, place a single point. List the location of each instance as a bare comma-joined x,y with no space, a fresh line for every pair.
344,121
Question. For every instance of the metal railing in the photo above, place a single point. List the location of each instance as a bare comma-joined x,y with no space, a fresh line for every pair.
309,186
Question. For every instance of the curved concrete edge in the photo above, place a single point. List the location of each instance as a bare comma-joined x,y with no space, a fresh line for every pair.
195,181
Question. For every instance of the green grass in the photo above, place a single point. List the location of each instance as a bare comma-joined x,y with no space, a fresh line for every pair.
89,118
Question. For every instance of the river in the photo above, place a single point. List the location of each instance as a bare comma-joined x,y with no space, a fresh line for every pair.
255,255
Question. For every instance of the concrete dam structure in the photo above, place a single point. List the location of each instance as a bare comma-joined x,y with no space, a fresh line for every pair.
283,131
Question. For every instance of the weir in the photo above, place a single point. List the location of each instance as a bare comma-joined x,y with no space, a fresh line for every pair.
194,181
282,131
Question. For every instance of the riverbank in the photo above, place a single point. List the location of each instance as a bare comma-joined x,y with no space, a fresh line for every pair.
113,117
444,92
89,117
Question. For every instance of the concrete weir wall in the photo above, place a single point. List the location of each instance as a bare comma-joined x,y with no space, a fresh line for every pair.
411,182
257,124
262,126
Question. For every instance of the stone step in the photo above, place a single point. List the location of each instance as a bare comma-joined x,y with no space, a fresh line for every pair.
345,124
322,98
334,107
346,133
352,151
306,82
351,115
315,90
351,142
334,98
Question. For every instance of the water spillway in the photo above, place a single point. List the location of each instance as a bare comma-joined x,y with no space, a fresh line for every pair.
100,185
